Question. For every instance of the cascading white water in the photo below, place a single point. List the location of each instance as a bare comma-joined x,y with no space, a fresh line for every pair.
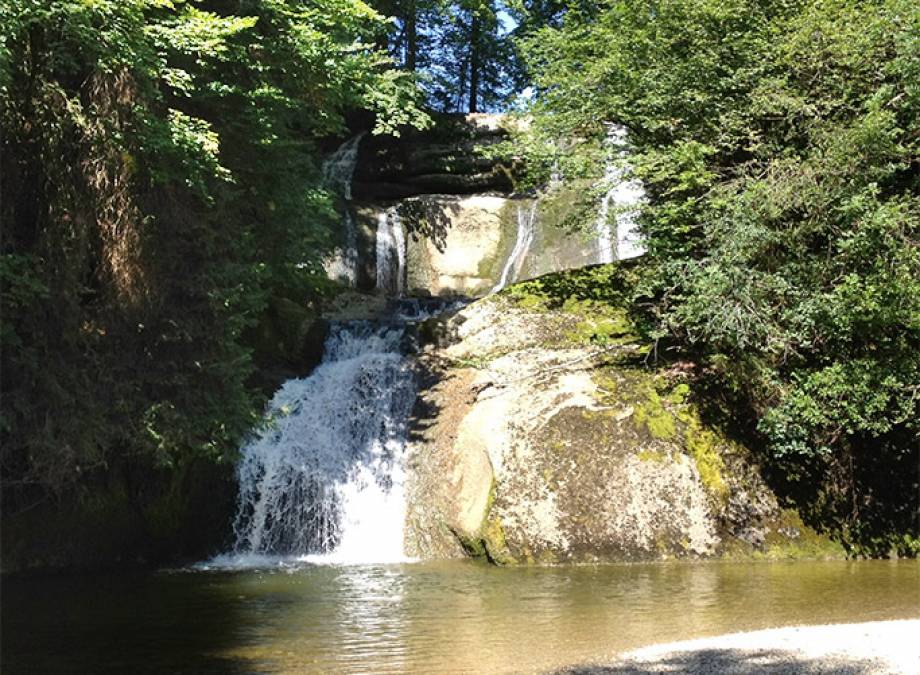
324,481
624,196
391,252
526,218
338,171
339,168
605,252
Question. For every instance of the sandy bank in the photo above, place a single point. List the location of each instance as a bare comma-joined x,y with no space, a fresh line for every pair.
850,649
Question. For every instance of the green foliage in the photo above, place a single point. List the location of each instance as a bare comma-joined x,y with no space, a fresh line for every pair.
162,181
777,143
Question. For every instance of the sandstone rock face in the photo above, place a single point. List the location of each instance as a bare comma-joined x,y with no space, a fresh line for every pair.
443,159
533,446
462,228
459,243
466,245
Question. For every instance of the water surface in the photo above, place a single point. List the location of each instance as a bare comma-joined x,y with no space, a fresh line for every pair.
432,617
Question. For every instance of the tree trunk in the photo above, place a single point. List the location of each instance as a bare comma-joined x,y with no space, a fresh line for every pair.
411,36
474,63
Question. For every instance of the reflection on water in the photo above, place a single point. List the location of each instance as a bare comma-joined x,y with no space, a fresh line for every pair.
438,617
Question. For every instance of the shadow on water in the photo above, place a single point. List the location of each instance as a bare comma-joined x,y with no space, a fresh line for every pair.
731,662
137,623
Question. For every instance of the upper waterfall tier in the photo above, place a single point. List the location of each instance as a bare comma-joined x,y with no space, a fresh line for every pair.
465,245
432,214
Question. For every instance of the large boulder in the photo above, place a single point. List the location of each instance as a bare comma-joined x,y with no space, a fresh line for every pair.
543,437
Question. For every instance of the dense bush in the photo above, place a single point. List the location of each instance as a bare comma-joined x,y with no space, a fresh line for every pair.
778,141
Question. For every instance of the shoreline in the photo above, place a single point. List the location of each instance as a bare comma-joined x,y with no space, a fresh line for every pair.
849,648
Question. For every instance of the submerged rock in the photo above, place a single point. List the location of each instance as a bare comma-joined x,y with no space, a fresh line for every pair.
542,437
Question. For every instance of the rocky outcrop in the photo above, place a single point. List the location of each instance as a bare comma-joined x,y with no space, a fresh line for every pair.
466,245
448,158
441,203
458,244
543,438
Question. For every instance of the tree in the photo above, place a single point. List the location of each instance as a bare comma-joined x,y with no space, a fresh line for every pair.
463,52
160,180
774,140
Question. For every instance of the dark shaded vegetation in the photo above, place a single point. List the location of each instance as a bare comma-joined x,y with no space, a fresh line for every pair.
161,196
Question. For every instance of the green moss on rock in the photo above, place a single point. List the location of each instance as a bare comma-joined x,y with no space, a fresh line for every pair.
601,324
657,420
704,446
489,541
490,266
648,455
496,547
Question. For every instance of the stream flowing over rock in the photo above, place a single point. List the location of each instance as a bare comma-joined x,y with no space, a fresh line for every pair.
338,170
526,427
324,479
619,240
428,214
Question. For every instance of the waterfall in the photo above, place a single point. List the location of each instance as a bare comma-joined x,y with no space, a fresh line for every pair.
525,231
624,196
324,480
605,252
339,168
338,171
391,252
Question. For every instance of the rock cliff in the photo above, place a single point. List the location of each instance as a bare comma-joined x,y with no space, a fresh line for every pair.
434,213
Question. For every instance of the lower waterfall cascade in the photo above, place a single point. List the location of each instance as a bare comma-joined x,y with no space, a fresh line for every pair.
324,479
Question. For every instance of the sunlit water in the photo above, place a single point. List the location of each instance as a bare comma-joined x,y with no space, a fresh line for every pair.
421,618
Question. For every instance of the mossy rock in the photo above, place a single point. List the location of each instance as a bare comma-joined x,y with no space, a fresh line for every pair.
596,455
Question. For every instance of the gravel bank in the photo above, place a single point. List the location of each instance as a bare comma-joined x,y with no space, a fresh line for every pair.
849,649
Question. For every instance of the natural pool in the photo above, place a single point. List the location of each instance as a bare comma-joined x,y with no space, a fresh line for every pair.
421,618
